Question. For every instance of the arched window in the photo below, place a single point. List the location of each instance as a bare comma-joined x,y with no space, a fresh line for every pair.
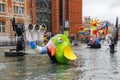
2,27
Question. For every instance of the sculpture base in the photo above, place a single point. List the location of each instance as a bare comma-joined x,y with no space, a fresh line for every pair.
94,46
14,54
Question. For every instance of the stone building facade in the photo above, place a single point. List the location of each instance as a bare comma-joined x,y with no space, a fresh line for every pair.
19,9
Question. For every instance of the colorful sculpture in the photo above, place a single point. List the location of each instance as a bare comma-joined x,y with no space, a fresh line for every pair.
58,49
94,41
45,36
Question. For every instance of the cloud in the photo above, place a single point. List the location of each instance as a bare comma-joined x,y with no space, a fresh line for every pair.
102,9
115,4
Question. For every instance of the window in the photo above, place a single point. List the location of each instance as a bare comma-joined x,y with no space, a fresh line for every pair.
2,7
18,10
19,0
2,27
44,13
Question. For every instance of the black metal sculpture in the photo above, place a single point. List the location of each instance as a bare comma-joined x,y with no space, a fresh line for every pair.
114,40
20,44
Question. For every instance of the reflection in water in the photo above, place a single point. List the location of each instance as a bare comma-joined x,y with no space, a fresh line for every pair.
14,68
114,63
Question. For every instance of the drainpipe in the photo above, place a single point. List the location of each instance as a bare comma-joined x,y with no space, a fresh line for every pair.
63,16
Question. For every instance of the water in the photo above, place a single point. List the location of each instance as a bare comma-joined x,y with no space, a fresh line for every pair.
92,64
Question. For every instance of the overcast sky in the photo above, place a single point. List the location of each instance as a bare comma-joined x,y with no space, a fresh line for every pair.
102,9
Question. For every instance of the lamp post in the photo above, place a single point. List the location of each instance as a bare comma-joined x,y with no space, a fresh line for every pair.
63,16
61,12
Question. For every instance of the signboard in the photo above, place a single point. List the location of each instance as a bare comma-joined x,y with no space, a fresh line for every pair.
66,24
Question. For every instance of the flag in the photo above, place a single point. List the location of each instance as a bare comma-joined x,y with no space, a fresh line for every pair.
106,27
